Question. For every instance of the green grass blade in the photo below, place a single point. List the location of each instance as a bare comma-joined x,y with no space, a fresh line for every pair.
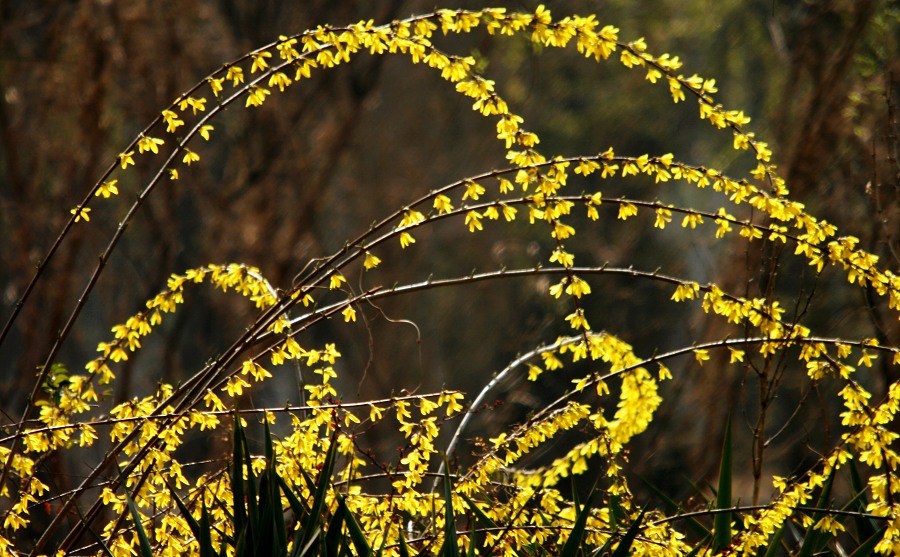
404,549
239,513
573,543
312,525
272,513
616,512
814,540
299,508
480,517
363,549
188,517
722,521
451,546
334,533
624,548
205,539
479,514
201,530
309,547
265,535
96,536
865,529
775,543
470,550
868,547
700,546
146,550
253,525
691,522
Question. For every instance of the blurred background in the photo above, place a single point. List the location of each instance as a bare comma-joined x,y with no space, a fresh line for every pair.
310,169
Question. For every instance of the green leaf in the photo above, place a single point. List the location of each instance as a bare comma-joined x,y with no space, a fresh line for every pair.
722,521
205,539
775,543
312,526
146,550
201,530
625,545
868,547
573,543
404,549
865,528
299,508
470,552
96,536
188,517
272,539
692,523
616,512
700,546
479,514
237,480
253,524
333,535
480,517
814,540
450,547
363,549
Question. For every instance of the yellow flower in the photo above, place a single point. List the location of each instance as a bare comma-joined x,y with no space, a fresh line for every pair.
204,131
371,261
259,61
577,320
336,281
406,239
256,96
149,144
473,191
411,218
81,213
627,210
190,157
556,290
195,104
491,213
216,85
374,413
349,314
279,80
562,231
125,159
586,167
692,220
473,221
509,213
172,120
663,216
235,74
286,48
442,204
686,291
578,288
107,189
236,386
562,257
701,355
